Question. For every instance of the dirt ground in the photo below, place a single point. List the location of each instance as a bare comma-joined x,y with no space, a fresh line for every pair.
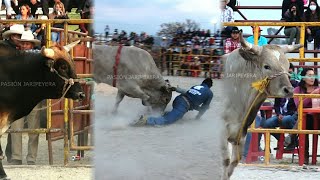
75,170
185,150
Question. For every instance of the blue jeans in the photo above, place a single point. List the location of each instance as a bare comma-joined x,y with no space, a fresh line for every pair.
287,122
55,36
249,135
180,107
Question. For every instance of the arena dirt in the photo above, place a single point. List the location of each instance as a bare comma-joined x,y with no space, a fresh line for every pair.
185,150
76,170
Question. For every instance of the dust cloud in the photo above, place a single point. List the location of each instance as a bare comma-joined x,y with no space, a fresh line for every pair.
187,149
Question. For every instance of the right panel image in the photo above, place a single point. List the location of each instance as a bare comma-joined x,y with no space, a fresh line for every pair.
157,65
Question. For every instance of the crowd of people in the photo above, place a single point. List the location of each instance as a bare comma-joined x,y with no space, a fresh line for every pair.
30,9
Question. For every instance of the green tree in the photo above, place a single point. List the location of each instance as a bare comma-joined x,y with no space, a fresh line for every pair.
171,28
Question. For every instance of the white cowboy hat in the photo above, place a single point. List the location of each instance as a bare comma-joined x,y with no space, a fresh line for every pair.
27,36
14,29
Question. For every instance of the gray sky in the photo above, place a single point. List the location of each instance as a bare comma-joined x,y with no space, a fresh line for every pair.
147,15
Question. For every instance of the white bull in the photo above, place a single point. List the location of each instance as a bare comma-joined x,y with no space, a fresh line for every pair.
243,67
136,74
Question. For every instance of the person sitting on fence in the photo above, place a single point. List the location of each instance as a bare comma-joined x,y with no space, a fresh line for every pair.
261,39
292,15
227,15
14,143
312,14
8,8
198,98
59,12
195,67
233,42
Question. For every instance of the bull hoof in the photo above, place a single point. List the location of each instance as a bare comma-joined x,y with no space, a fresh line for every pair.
142,121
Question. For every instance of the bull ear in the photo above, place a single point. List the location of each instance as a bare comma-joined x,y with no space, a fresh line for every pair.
249,47
68,47
290,48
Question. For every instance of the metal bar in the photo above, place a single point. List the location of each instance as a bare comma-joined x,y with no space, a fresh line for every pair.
304,59
85,75
258,7
279,23
242,15
279,131
83,111
267,147
77,148
40,21
38,131
65,118
256,34
302,38
65,37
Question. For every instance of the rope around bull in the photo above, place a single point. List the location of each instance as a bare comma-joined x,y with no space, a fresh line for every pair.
260,86
70,82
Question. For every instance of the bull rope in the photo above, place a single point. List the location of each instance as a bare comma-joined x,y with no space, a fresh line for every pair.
260,86
115,66
70,82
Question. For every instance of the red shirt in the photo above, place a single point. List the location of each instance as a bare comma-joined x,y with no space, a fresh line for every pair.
231,45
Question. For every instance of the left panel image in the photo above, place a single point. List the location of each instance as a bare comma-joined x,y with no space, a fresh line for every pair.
46,84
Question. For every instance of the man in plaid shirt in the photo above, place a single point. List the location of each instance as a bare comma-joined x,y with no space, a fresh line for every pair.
233,42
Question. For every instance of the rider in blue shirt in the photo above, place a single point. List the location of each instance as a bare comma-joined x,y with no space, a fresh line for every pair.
196,98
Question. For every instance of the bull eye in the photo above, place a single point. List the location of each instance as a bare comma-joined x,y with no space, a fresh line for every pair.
267,67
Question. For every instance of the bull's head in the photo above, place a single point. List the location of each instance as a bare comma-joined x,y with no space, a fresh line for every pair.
272,62
62,64
160,104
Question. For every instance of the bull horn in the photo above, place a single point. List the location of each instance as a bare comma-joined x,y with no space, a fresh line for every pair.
68,47
47,52
290,48
249,47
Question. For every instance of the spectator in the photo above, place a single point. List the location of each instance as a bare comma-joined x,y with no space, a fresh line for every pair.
292,15
8,8
195,67
59,12
227,15
106,31
87,13
308,85
261,39
41,32
233,42
25,13
287,3
312,14
232,4
12,35
27,42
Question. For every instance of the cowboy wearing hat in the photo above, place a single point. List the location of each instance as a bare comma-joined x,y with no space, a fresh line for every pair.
12,35
27,41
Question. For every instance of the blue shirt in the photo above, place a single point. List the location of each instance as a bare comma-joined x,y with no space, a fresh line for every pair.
199,95
261,41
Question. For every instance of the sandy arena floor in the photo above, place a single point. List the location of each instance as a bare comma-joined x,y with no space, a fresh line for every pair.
76,170
186,150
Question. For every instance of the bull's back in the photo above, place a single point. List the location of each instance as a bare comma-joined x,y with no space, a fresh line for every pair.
134,63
